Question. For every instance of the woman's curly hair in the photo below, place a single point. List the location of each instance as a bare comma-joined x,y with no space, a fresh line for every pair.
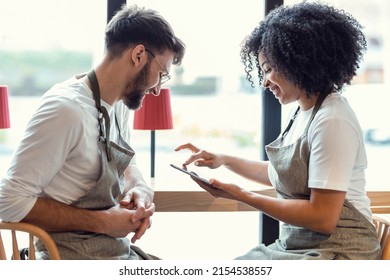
314,46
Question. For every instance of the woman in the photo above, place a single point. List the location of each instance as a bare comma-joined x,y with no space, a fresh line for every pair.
305,54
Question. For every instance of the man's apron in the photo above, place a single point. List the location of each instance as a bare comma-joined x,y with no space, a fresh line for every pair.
354,237
104,195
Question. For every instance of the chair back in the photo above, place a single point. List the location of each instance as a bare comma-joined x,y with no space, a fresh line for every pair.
16,230
383,230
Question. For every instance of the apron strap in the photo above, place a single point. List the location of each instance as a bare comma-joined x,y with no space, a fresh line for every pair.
102,112
319,102
290,123
317,106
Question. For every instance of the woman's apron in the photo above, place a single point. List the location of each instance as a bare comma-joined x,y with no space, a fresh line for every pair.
104,195
354,237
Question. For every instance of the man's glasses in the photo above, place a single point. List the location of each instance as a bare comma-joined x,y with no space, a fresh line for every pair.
163,77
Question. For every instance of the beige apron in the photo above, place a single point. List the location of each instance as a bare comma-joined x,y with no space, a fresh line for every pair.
354,237
104,195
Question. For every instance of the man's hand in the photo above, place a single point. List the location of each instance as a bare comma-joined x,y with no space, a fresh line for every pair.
140,200
118,222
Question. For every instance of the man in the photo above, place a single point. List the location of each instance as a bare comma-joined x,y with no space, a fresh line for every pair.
73,173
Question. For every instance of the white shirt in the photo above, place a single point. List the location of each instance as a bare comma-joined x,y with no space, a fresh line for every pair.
337,152
58,156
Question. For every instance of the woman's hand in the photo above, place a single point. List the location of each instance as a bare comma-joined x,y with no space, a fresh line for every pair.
222,190
201,157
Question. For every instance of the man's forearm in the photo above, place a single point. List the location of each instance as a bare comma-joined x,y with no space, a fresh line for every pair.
134,178
52,215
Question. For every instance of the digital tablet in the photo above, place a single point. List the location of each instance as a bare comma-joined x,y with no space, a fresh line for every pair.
193,174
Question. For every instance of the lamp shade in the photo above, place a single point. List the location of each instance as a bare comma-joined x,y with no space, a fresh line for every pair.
4,110
155,112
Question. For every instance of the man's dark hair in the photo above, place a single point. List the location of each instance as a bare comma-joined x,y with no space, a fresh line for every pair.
133,25
316,47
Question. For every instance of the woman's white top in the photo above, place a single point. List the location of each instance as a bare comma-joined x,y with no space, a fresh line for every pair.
338,156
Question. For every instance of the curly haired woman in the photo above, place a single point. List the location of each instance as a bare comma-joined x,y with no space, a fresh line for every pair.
305,54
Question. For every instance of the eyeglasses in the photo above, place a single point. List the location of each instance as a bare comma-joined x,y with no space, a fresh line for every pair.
163,77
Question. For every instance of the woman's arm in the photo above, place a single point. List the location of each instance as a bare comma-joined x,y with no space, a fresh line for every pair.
320,213
253,170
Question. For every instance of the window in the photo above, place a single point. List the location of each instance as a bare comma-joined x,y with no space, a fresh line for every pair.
213,105
43,42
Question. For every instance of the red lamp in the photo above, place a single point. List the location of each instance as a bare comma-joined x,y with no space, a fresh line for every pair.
4,110
154,114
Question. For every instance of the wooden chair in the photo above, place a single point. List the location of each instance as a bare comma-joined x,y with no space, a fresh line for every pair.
383,229
16,229
380,201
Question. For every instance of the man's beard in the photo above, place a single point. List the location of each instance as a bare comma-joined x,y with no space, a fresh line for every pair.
133,98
